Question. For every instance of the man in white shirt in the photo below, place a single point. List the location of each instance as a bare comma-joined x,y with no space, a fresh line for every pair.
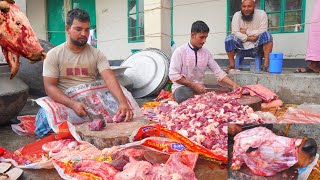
189,62
249,34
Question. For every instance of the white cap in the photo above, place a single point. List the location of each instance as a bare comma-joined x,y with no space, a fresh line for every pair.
253,0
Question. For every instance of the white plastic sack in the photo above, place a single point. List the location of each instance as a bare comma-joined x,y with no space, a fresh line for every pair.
95,96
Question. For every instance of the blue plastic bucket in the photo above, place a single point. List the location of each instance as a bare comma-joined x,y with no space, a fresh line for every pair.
275,65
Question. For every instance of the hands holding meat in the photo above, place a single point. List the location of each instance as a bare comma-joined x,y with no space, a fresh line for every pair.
237,89
124,111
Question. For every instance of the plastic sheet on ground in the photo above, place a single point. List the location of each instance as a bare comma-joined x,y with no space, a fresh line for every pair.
158,130
27,125
31,156
305,113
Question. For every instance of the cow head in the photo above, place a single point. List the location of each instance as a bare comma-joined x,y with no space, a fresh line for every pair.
17,37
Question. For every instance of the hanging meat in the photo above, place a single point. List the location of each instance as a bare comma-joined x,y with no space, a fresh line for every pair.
17,37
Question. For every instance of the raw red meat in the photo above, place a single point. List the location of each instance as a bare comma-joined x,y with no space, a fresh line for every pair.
264,152
131,152
64,150
102,169
56,146
180,165
189,159
17,37
118,118
204,119
177,165
121,158
120,162
264,93
114,118
96,125
135,170
161,171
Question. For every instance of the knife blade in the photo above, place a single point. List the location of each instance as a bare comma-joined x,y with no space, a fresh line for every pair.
92,115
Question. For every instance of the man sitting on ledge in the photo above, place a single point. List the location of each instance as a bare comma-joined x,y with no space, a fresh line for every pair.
249,34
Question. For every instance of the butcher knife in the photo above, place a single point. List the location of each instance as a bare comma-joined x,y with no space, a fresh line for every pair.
93,116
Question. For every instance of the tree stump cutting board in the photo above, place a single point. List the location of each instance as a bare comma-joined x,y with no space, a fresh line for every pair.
113,134
253,101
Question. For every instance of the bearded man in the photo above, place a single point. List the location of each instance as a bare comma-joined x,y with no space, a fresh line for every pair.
76,62
249,35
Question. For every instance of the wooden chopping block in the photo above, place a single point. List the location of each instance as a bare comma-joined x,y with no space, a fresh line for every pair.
113,134
253,101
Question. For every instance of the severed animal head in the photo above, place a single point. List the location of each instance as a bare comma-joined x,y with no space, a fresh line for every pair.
307,151
17,37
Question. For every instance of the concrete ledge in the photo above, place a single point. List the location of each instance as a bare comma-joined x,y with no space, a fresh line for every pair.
287,63
291,87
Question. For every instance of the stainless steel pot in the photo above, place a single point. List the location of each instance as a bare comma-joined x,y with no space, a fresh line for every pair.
13,95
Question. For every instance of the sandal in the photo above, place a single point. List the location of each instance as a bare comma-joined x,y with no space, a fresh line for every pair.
229,68
305,70
12,174
265,69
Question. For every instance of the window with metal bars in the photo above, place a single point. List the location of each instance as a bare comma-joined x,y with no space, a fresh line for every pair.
135,21
285,16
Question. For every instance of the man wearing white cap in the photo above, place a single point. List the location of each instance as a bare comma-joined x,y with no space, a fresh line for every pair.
249,35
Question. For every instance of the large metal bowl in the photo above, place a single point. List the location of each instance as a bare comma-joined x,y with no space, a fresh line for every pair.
13,95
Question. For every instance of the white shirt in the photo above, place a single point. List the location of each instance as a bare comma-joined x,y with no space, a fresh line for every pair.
257,26
183,61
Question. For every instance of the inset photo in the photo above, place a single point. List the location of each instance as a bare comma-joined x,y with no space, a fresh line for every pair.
274,151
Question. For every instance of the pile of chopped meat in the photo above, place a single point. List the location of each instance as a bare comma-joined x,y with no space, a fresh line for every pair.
204,119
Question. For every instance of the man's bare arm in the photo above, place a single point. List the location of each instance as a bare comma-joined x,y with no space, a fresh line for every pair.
115,89
252,38
50,85
228,81
249,38
197,87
